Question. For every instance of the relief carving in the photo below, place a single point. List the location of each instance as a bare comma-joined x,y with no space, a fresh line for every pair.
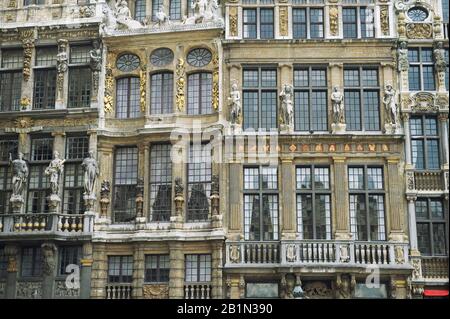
180,73
317,289
27,37
30,290
62,291
419,30
334,20
215,84
233,21
142,87
283,12
384,19
156,291
108,99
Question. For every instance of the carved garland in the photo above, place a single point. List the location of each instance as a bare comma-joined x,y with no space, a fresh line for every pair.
233,18
180,72
334,20
283,21
109,85
215,85
27,37
384,19
143,84
419,30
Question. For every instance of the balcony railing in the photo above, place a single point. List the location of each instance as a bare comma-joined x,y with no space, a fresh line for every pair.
429,181
119,291
315,252
197,290
57,224
435,267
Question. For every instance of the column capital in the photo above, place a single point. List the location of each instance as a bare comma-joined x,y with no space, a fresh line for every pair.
55,134
287,158
443,117
405,117
86,262
392,160
411,197
336,64
339,159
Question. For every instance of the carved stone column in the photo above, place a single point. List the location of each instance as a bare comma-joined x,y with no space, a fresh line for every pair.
405,117
443,120
99,272
397,231
11,252
216,278
412,225
138,272
105,159
398,287
341,199
49,258
27,36
287,179
86,271
216,216
235,230
62,80
235,286
178,171
176,275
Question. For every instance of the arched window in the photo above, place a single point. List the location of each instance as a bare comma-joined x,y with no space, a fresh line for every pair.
199,93
127,97
161,93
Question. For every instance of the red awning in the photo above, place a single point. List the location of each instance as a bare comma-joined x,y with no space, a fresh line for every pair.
435,293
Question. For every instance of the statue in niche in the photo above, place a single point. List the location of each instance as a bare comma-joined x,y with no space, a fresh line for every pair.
235,104
54,170
390,105
20,175
287,105
91,171
402,57
337,100
123,16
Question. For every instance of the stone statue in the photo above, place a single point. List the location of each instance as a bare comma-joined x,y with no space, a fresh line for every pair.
390,105
161,17
439,58
235,104
61,57
90,168
123,16
337,100
20,175
287,106
204,10
48,258
54,170
178,187
96,56
343,286
109,22
402,57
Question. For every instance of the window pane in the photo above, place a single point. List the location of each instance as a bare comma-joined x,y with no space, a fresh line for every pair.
266,27
305,216
160,182
199,182
80,54
125,179
79,87
270,217
351,77
414,78
162,93
321,178
353,110
299,23
46,56
439,239
269,177
252,229
44,89
10,91
355,178
370,77
417,151
128,94
431,126
416,126
375,178
12,59
268,110
423,238
372,111
433,154
199,93
301,77
301,108
358,221
249,23
437,211
376,216
322,217
251,78
367,22
349,22
304,178
428,78
250,107
316,26
421,209
251,178
319,111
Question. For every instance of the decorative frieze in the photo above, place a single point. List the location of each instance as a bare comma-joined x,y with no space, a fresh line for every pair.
69,34
62,65
108,98
29,289
215,84
62,291
143,87
155,291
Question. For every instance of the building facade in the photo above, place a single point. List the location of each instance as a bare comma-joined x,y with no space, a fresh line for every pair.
223,149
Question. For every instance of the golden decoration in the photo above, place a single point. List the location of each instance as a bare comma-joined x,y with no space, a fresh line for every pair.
372,147
359,148
332,148
385,147
347,148
233,18
27,38
23,122
384,19
319,148
25,102
305,148
180,72
292,148
143,86
108,99
419,30
12,264
283,16
334,20
156,291
215,84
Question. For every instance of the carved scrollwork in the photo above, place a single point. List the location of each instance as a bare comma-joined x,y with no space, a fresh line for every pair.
283,20
235,254
156,291
334,20
419,30
180,73
233,21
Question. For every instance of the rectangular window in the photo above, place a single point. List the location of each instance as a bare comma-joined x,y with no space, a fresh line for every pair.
125,182
80,77
367,22
316,23
157,268
366,188
432,228
68,255
425,142
299,23
38,185
127,95
31,262
199,182
3,263
361,98
120,269
7,146
421,69
30,2
266,24
45,78
156,4
260,203
445,12
313,202
250,29
139,10
260,98
310,99
349,21
175,10
197,268
161,93
11,80
160,182
358,22
76,150
199,93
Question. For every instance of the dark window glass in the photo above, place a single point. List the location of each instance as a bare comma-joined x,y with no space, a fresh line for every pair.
425,142
313,202
367,23
299,23
310,99
31,262
128,94
44,89
260,203
361,98
266,24
120,269
3,263
197,268
316,23
162,93
432,226
7,147
349,20
139,10
366,188
260,98
80,87
125,181
10,90
199,182
250,24
421,69
30,2
157,268
68,255
175,9
199,93
160,182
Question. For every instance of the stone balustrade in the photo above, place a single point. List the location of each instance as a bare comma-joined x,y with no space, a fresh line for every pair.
118,291
197,290
316,252
429,181
48,224
435,267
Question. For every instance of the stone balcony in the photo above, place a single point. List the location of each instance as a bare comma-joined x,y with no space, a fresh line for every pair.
312,253
38,226
435,268
427,181
197,290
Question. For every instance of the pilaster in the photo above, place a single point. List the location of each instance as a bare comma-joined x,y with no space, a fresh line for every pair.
176,275
342,230
395,200
287,198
